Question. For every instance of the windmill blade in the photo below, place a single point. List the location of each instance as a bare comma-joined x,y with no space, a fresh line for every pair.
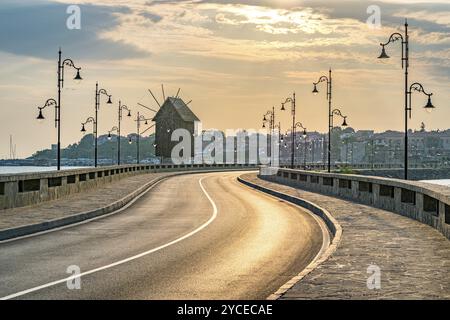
188,102
178,92
140,104
148,129
154,97
163,93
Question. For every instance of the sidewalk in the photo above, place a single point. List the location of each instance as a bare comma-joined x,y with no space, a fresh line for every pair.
76,203
414,259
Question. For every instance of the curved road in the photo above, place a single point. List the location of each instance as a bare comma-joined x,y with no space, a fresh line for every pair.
197,236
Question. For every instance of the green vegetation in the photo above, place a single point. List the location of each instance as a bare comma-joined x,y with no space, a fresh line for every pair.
107,149
345,170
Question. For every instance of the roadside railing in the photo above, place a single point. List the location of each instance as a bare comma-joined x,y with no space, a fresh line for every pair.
19,190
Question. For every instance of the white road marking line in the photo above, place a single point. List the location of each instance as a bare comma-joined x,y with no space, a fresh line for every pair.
50,284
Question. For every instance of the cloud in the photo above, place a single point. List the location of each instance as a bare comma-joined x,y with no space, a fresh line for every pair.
38,28
152,17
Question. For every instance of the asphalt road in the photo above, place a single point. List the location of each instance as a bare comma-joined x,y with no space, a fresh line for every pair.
198,236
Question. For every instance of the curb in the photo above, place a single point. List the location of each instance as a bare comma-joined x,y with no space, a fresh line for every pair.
26,230
332,224
8,234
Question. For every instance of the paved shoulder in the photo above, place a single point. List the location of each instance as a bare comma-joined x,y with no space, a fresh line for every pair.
76,203
413,259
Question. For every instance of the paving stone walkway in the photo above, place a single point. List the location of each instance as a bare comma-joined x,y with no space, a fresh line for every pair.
413,258
75,203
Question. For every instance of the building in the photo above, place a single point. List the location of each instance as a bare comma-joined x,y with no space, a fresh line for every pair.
173,114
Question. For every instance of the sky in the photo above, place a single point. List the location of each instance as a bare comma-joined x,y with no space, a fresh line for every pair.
234,59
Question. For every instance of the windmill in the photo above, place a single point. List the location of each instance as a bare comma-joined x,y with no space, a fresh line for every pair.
164,99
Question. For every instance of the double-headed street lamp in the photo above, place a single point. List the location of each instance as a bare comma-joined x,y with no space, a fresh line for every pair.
98,93
121,109
51,102
329,83
140,118
292,101
408,89
94,129
115,129
336,112
304,135
271,121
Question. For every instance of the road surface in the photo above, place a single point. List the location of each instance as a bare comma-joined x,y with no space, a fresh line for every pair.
197,236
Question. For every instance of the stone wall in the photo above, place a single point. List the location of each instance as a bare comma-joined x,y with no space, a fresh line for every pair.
424,202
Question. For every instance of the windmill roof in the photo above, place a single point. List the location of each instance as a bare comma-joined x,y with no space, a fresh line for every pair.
181,108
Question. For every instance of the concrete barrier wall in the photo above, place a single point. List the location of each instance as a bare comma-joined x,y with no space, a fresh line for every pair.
424,202
26,189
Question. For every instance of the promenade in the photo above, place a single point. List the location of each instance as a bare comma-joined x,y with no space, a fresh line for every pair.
414,259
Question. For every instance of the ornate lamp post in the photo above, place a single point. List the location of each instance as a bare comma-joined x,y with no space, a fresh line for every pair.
271,121
94,128
293,106
336,112
429,107
329,83
88,120
140,118
115,129
405,65
121,108
61,65
304,135
98,93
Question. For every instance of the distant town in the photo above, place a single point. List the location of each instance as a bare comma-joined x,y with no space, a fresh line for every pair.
350,147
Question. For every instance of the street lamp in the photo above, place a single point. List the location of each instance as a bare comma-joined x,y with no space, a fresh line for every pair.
140,118
51,102
405,65
336,112
40,118
329,83
94,128
429,107
304,135
121,108
271,121
115,129
88,120
98,93
48,103
292,101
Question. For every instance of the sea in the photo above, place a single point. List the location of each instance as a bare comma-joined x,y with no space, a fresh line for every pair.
25,169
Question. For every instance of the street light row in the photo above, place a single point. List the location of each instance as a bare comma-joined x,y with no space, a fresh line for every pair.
295,125
409,89
94,120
